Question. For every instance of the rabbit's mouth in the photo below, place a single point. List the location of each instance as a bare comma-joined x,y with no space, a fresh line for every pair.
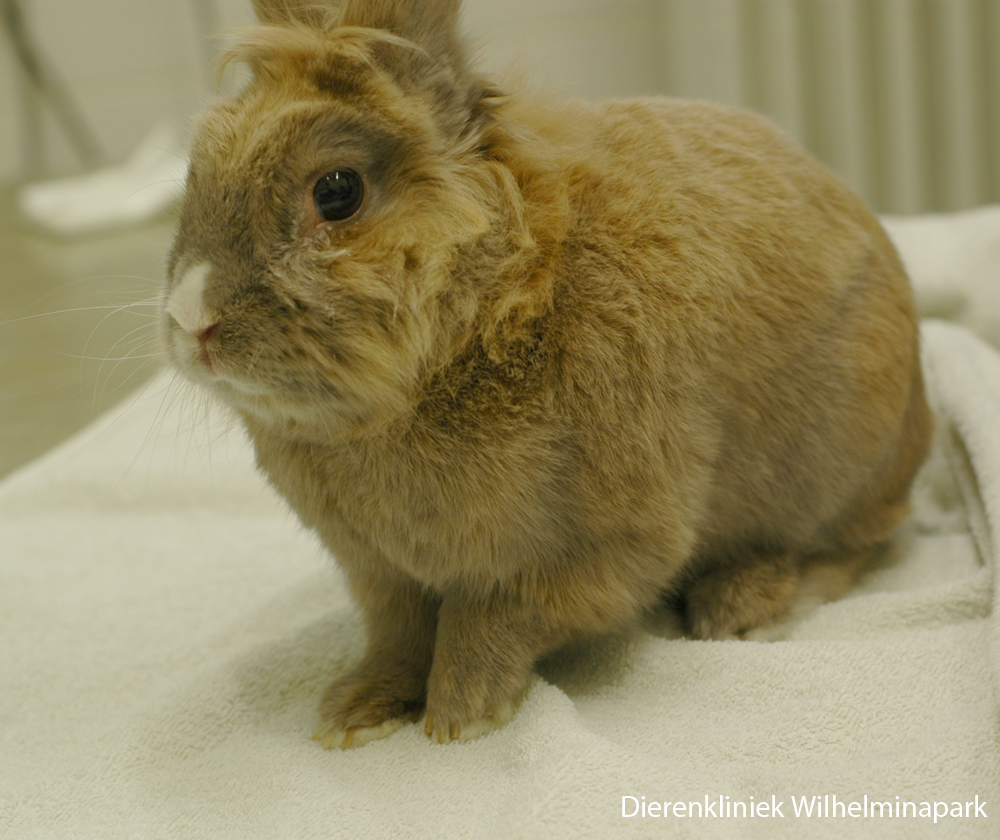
273,394
270,349
197,335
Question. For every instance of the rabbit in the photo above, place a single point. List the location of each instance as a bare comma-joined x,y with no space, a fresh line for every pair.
530,367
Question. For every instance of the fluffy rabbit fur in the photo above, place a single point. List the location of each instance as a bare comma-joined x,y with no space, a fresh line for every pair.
565,359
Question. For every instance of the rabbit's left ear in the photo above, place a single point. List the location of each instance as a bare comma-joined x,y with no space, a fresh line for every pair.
315,13
430,23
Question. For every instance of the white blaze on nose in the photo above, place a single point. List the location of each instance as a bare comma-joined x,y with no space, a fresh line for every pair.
186,303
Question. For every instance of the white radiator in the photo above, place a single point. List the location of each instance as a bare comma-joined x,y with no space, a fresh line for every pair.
901,97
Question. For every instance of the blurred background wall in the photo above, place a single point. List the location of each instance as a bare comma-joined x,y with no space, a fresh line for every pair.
902,97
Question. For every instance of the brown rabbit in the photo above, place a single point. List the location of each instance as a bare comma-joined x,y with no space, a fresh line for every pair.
528,367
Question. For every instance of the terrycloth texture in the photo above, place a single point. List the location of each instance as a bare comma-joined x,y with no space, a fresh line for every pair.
166,629
954,263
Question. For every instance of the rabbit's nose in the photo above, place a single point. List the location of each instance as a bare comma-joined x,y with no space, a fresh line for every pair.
205,335
186,304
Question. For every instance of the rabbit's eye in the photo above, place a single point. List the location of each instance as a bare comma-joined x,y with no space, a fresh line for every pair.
339,195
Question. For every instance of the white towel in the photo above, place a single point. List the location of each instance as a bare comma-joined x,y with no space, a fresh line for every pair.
166,629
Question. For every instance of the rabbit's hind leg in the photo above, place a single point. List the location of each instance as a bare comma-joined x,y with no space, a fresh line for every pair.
735,597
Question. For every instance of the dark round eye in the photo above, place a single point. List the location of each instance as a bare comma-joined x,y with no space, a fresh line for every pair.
339,195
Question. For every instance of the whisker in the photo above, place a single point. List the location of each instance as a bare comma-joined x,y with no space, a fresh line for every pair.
146,339
98,390
118,308
140,328
143,328
153,427
178,193
105,358
143,363
59,290
139,370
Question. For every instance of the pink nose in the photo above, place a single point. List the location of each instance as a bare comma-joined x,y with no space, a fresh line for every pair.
205,335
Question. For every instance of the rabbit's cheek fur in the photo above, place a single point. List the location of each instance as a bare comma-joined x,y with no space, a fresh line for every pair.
282,356
565,360
326,332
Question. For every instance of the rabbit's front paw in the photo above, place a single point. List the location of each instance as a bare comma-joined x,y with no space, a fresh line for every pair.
464,714
370,703
484,650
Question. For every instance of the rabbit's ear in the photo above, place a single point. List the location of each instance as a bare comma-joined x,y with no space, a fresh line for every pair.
314,13
429,23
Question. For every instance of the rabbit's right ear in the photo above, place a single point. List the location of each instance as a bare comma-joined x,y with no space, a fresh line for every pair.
314,13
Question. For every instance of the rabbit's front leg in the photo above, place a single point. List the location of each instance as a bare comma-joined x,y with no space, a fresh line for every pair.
483,656
389,685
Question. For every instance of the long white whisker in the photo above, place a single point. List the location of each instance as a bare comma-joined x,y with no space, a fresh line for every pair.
157,421
147,338
61,312
141,345
144,328
114,311
124,358
179,192
151,301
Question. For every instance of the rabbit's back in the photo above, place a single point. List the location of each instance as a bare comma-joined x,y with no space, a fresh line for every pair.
729,297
